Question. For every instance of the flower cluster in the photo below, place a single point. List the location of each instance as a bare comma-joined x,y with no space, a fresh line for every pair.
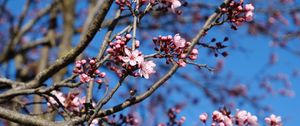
129,60
87,70
174,47
72,101
223,117
244,117
237,13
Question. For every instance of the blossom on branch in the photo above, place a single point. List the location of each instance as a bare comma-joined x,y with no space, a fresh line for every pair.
59,95
273,120
147,68
132,57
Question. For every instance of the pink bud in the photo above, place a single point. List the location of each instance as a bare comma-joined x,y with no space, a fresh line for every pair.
82,80
122,43
78,65
135,74
118,41
97,71
193,57
203,117
249,16
240,8
84,75
182,119
181,63
188,43
88,79
102,74
78,62
182,56
128,36
99,81
118,46
110,50
194,51
118,37
137,43
92,62
83,61
164,38
249,7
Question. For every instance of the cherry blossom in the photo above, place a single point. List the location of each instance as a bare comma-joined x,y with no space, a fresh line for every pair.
59,96
203,117
249,7
243,117
147,68
249,16
175,4
178,41
273,120
133,57
88,71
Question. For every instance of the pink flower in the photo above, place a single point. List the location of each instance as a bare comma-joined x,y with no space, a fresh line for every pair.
203,117
249,16
252,120
175,4
249,7
84,78
132,57
217,116
195,51
273,120
227,121
147,68
181,63
178,41
75,104
241,116
249,12
59,96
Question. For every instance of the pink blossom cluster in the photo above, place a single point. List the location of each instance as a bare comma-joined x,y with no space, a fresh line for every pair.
241,118
174,47
87,70
72,101
172,4
59,95
129,60
237,13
